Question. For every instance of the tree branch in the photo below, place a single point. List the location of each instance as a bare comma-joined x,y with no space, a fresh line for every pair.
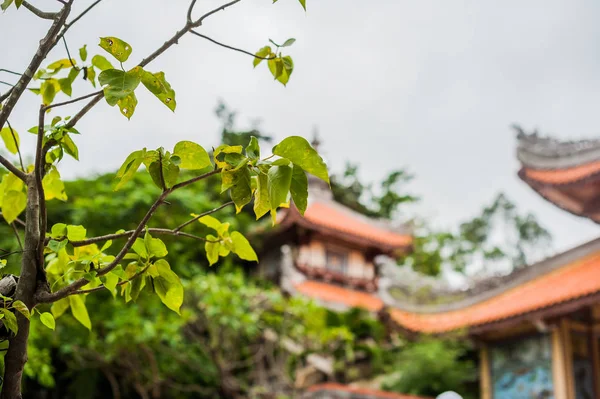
38,12
12,132
77,18
45,45
47,107
37,174
195,179
12,168
17,235
189,13
208,14
181,226
120,283
17,220
230,47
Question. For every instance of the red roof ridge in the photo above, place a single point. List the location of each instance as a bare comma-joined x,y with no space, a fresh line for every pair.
339,295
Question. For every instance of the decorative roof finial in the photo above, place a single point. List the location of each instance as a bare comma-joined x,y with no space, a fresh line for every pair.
316,142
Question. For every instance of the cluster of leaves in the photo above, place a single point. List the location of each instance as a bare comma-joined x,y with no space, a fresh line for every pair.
7,3
280,66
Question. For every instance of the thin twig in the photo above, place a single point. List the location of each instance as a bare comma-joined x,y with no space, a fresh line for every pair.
195,179
6,83
208,14
230,47
38,12
17,220
190,10
12,132
181,226
17,235
69,54
9,71
45,45
6,95
77,18
47,107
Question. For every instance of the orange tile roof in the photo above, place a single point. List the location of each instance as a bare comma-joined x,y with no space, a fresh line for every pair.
571,281
371,393
562,176
331,293
331,216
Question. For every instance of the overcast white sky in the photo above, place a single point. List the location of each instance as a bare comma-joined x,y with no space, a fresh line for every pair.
428,85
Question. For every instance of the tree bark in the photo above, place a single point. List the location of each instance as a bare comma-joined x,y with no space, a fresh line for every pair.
16,356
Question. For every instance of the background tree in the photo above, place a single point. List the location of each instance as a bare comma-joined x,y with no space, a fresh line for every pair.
61,265
496,240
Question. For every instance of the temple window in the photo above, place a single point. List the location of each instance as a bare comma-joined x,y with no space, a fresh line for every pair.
337,261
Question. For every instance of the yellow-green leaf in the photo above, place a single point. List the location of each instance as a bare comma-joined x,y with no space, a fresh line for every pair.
11,139
79,311
10,320
261,196
60,64
59,307
22,308
264,52
83,52
110,282
213,248
242,248
48,320
167,286
13,203
299,188
76,233
101,63
127,171
192,155
116,47
158,85
54,186
127,105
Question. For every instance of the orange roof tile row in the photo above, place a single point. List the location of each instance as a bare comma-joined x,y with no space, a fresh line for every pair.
331,293
373,393
569,282
330,217
561,176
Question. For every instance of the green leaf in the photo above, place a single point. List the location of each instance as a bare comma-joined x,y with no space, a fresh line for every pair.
299,188
238,182
101,63
58,230
76,233
110,282
10,320
211,222
22,308
69,146
83,52
48,320
253,149
288,42
6,4
222,150
242,248
192,155
261,196
61,64
11,139
298,150
91,75
118,84
167,286
264,52
127,105
49,89
155,246
13,203
288,68
158,85
59,307
139,247
56,246
303,3
279,181
79,311
212,247
116,47
170,173
275,66
127,171
53,186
